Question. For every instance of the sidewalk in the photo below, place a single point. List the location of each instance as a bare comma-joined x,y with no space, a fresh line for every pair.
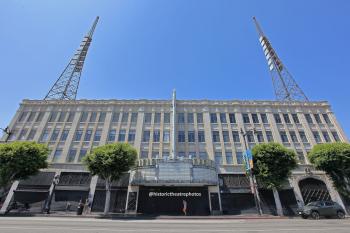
141,217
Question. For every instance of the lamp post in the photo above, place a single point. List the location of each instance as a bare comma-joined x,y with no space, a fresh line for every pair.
55,181
6,131
252,180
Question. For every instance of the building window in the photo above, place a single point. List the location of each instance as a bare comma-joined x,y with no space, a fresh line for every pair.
255,118
166,136
199,118
269,136
335,136
53,117
156,136
201,137
190,118
326,136
284,137
181,136
55,134
71,155
97,136
64,135
82,154
166,117
57,155
318,118
316,136
239,157
303,137
125,117
181,117
84,116
131,136
235,136
39,117
78,135
192,154
70,116
286,118
155,154
165,154
157,117
102,117
111,135
223,118
133,117
191,137
121,137
144,154
115,117
326,118
62,117
264,118
31,116
213,118
23,116
232,118
225,136
293,136
31,134
216,136
22,134
146,136
93,117
250,136
295,118
203,155
301,158
309,119
88,134
218,158
259,136
229,159
181,154
148,117
12,136
277,118
246,119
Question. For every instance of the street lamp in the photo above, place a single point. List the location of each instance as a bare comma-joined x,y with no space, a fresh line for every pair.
6,131
55,181
252,180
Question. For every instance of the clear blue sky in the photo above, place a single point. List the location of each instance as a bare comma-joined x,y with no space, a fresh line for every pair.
204,49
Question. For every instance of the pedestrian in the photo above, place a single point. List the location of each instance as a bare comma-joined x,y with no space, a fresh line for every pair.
68,205
184,209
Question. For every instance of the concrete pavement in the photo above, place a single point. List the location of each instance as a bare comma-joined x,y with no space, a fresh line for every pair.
65,225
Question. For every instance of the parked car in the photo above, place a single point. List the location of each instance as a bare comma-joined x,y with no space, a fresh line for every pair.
317,209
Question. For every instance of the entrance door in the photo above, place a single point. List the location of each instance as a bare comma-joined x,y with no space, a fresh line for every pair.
169,200
314,190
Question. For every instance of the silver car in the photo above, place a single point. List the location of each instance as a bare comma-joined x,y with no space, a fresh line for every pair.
317,209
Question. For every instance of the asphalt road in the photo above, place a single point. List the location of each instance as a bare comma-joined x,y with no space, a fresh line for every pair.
88,225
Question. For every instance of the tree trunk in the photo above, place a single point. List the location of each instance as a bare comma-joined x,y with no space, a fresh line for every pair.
108,196
277,202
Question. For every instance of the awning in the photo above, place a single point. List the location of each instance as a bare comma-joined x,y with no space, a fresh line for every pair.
30,196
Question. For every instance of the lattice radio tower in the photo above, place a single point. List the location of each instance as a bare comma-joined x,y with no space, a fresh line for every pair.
66,86
286,89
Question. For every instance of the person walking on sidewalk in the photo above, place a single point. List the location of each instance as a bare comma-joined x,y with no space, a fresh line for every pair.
184,209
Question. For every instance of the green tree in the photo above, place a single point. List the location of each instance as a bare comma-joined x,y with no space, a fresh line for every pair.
334,159
19,160
110,162
273,164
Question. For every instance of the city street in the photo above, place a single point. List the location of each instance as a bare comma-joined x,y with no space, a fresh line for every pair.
69,225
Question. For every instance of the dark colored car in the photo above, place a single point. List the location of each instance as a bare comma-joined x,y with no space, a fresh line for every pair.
317,209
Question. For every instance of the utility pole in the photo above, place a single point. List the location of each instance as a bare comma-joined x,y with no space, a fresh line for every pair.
252,180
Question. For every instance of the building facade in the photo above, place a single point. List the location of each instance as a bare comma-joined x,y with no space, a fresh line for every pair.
187,150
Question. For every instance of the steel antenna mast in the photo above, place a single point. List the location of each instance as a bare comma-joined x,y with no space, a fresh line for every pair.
66,86
286,88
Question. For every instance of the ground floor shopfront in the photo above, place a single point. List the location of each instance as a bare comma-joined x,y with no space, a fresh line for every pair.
231,195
